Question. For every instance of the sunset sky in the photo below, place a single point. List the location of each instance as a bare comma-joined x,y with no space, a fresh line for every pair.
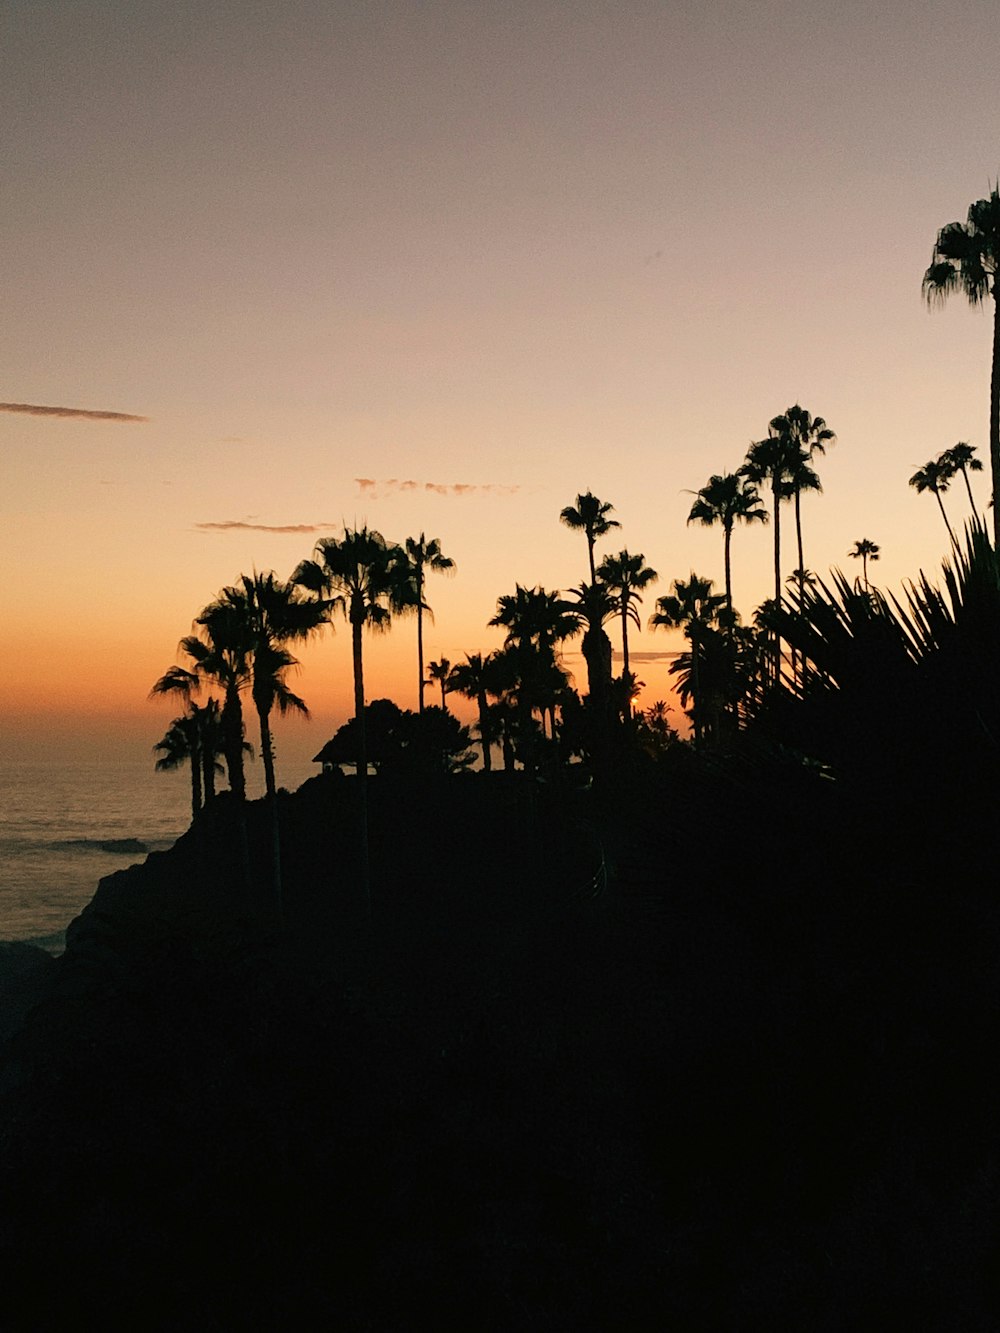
322,249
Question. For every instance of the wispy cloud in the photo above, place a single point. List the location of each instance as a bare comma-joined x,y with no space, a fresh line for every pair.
645,657
74,413
236,525
377,490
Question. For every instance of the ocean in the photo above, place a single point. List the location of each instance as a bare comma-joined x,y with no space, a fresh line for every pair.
64,826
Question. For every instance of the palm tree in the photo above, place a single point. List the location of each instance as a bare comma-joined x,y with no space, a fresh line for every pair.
694,608
595,605
728,499
440,672
805,437
626,576
962,458
473,680
773,460
272,614
218,657
424,554
590,516
965,259
864,550
181,744
369,581
934,477
535,621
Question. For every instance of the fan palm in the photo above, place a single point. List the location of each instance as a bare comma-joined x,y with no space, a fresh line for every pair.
369,581
535,621
807,436
965,259
934,477
473,680
864,550
271,614
424,554
962,458
728,499
440,672
595,605
626,576
694,608
591,517
181,744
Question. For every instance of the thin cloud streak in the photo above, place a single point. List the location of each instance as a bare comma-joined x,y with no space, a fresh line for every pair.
377,490
72,413
234,525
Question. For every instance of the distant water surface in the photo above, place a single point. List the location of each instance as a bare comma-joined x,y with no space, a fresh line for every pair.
64,826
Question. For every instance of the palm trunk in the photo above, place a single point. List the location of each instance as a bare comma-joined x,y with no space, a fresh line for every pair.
968,487
195,784
208,770
937,496
798,662
590,555
625,667
995,420
362,770
695,691
266,751
729,577
420,634
444,706
484,731
776,665
232,726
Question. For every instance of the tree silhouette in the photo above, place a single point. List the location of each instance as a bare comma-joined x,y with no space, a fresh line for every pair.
864,550
473,679
965,259
440,672
934,477
728,499
369,581
424,554
694,608
535,621
962,458
804,436
269,614
773,460
181,744
591,517
626,576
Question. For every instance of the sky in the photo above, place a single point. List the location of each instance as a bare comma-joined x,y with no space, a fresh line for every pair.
313,251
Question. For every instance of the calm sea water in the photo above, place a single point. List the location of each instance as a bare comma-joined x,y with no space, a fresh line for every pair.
57,826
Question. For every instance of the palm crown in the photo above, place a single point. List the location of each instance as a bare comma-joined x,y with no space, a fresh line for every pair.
591,517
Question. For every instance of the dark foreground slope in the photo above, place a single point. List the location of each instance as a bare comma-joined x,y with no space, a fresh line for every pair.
748,1084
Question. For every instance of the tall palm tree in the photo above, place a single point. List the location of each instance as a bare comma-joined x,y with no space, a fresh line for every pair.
772,460
272,614
218,657
728,499
694,608
441,673
965,259
369,580
934,476
535,621
865,550
591,517
181,744
626,576
595,605
473,680
962,458
424,554
805,436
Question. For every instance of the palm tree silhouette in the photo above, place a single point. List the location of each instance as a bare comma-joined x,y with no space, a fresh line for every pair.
440,672
864,550
965,259
181,744
424,554
369,581
626,576
773,460
590,516
218,657
473,679
962,458
805,437
694,608
535,621
595,605
270,614
728,499
934,477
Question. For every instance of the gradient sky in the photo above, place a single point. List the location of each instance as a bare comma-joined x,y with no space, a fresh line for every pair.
531,249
